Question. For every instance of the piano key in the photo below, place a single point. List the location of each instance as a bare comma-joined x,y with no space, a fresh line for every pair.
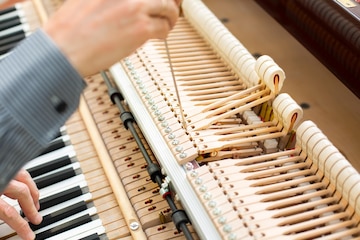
87,197
24,28
78,180
94,236
66,224
5,230
10,22
57,143
13,39
83,232
65,151
6,48
57,175
60,197
59,215
4,55
50,166
56,200
62,200
8,10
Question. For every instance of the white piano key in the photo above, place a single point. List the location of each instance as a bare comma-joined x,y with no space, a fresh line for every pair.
64,137
86,197
17,13
63,129
78,180
24,27
81,231
5,230
4,55
62,152
74,166
10,201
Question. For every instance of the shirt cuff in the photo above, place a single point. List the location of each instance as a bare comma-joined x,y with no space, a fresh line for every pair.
39,87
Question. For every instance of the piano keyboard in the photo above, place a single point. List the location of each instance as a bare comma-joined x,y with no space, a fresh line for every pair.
65,201
16,23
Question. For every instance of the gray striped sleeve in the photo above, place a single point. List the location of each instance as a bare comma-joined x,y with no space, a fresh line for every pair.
39,90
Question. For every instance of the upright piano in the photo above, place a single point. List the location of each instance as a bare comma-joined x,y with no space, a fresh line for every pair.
228,153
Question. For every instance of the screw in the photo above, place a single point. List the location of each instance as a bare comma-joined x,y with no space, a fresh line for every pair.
134,226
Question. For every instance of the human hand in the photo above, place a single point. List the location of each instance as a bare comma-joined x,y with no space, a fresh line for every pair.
96,34
22,188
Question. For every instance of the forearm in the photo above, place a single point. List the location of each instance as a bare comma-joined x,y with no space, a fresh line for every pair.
39,90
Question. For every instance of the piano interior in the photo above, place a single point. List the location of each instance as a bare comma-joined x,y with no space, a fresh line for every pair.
259,142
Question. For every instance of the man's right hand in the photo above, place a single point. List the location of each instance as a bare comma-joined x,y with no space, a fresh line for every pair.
96,34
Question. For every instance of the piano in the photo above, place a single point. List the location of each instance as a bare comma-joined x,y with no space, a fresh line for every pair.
243,165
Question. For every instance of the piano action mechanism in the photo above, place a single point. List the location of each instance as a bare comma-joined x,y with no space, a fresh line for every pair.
244,166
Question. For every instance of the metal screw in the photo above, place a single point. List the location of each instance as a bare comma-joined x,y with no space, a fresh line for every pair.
134,226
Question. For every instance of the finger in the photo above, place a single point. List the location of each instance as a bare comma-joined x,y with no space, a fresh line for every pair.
178,2
20,191
171,11
24,177
9,215
159,28
167,9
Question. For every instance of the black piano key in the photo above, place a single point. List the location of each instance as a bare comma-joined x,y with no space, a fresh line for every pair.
6,48
49,166
59,197
54,145
10,22
12,39
7,10
58,134
21,31
47,180
94,236
59,215
64,227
